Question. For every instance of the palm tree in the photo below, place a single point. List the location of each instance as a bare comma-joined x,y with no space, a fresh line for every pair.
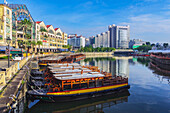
43,30
39,43
33,43
27,46
26,25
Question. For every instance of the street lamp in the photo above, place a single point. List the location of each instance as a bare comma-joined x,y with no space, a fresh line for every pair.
8,40
21,45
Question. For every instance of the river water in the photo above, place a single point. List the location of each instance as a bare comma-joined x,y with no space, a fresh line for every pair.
149,90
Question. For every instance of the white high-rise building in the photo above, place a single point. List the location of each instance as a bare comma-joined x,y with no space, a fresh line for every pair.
106,39
119,36
76,41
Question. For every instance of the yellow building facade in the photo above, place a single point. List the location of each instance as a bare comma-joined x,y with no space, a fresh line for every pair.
5,24
52,38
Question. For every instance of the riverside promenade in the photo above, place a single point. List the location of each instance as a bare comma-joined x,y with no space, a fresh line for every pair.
12,80
106,54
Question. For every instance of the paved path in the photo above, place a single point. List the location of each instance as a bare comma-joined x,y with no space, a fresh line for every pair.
11,89
4,63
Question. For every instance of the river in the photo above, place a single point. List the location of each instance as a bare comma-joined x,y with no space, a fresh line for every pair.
149,90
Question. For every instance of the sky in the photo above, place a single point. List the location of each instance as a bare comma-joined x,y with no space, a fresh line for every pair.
149,20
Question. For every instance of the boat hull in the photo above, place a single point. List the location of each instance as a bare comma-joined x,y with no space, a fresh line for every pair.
53,97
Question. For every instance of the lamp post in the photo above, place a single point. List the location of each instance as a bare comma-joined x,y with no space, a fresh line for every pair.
21,50
8,40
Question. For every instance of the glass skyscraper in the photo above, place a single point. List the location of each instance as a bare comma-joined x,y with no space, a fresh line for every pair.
119,36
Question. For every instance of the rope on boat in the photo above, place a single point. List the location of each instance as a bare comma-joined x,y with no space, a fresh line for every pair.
35,90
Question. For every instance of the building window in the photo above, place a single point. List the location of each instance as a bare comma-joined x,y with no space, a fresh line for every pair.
7,20
1,27
7,11
1,37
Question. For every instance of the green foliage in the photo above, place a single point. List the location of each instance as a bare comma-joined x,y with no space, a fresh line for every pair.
5,57
148,43
28,43
143,61
43,30
152,44
46,36
28,36
144,48
39,43
26,25
23,82
33,43
165,45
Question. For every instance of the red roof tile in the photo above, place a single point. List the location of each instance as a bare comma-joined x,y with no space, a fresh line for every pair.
48,26
38,22
56,29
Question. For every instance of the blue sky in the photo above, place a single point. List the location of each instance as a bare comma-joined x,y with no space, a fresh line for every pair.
148,19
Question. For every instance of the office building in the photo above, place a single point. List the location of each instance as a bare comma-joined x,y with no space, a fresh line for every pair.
76,41
119,36
5,24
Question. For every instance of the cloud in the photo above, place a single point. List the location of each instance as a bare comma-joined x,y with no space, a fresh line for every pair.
151,26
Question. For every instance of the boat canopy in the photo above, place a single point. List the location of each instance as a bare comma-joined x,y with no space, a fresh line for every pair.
71,71
77,76
160,51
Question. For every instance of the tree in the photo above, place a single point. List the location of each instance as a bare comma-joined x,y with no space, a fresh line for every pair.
26,25
39,43
152,44
144,48
148,43
165,45
33,43
43,30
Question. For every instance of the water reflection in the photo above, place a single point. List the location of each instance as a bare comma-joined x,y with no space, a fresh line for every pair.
147,93
159,70
94,105
111,65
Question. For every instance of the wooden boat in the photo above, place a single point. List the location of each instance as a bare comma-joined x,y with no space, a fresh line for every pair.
160,56
75,86
93,105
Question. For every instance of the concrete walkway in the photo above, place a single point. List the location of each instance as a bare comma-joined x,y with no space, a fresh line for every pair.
4,63
11,90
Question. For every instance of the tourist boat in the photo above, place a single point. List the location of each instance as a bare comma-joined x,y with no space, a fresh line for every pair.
93,105
68,83
160,60
63,58
160,56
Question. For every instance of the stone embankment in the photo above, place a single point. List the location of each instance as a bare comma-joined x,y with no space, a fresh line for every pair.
11,80
98,54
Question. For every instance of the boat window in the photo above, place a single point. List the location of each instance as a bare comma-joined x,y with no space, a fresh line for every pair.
84,85
99,83
76,86
67,87
91,84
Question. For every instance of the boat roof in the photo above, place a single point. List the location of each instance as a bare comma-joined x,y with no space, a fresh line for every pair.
71,71
69,67
53,58
59,64
77,76
160,51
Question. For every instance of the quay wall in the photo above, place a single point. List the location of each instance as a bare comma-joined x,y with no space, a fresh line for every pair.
13,85
5,76
98,54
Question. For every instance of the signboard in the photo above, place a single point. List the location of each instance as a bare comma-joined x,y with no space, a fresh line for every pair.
7,52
